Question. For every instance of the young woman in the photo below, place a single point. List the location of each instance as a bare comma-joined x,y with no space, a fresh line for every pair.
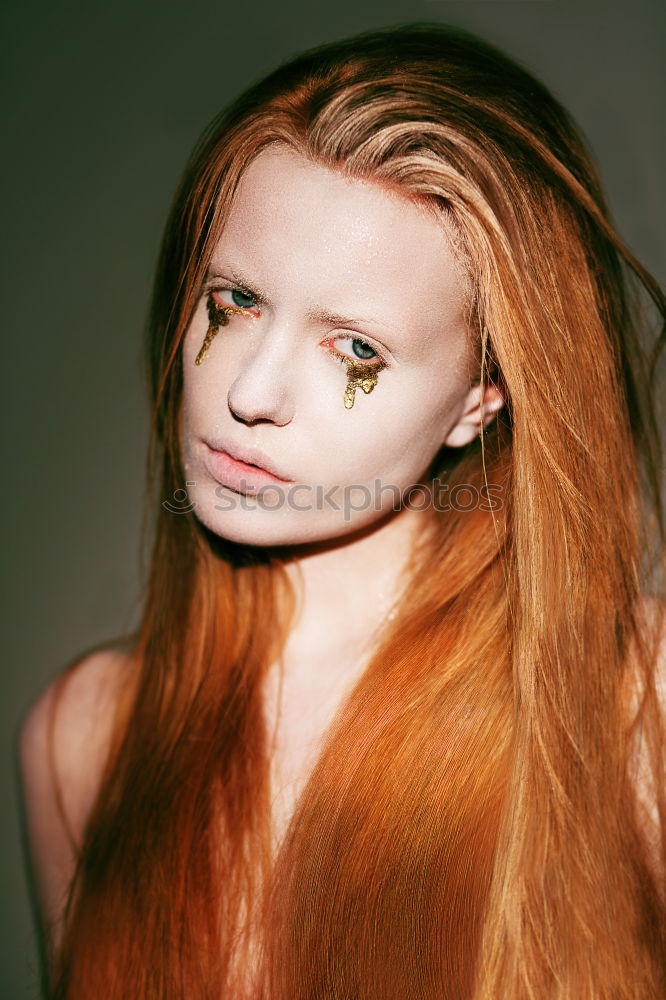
391,724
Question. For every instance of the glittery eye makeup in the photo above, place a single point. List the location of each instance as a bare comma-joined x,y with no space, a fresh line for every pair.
218,315
362,371
361,374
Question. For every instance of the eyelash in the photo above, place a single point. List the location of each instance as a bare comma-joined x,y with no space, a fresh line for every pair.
209,290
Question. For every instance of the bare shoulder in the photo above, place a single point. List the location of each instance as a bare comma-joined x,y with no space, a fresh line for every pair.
73,716
63,744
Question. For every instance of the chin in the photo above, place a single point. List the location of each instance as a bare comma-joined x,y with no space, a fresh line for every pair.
261,527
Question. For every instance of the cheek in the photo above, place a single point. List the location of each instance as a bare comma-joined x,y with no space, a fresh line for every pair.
204,386
192,341
397,439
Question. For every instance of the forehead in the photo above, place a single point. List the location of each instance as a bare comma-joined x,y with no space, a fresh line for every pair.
283,188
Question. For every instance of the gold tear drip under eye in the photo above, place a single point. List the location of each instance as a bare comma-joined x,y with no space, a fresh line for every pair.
217,316
359,376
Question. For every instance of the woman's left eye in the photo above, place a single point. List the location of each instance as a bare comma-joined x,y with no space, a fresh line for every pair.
360,350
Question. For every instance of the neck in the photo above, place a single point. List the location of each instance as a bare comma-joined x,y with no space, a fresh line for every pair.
347,589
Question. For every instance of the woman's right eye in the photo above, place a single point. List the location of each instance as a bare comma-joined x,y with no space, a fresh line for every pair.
235,297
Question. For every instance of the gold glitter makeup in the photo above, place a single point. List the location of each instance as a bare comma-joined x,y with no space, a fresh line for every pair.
218,316
359,376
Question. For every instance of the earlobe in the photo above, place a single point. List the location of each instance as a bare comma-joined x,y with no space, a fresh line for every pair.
477,410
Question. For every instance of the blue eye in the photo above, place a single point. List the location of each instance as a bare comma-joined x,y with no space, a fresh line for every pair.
242,300
239,298
360,350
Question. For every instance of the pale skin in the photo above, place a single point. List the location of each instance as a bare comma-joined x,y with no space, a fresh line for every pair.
310,243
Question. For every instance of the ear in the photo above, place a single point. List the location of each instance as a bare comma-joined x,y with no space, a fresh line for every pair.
476,411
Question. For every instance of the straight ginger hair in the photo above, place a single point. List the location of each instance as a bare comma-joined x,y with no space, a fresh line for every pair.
471,828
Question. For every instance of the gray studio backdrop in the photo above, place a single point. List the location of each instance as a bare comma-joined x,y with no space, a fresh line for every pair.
102,106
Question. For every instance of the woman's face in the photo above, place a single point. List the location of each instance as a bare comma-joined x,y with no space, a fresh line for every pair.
328,268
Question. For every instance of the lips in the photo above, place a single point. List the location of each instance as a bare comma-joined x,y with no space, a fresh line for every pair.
234,468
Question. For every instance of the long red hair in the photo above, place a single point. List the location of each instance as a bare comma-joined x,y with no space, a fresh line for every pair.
470,829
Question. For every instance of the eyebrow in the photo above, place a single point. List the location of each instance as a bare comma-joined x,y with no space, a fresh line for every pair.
315,315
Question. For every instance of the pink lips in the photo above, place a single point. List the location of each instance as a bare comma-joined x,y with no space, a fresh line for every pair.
239,476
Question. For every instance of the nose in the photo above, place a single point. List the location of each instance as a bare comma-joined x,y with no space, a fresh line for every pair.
262,391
